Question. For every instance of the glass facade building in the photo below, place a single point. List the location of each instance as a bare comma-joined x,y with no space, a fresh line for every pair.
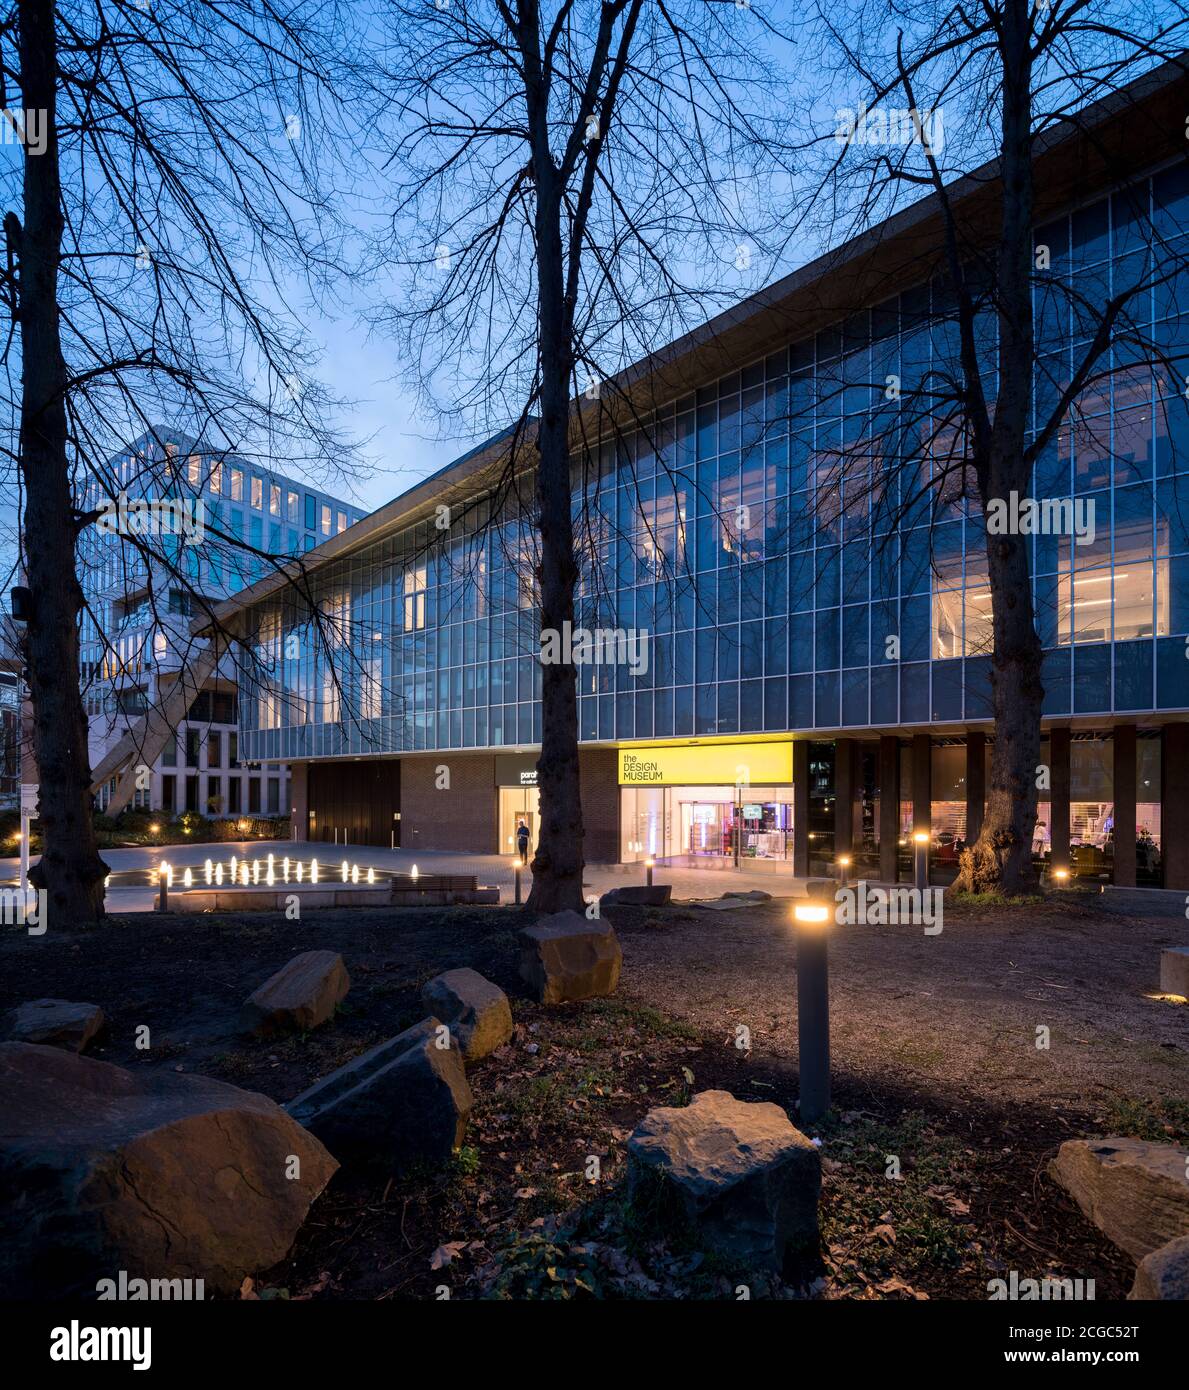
135,631
797,542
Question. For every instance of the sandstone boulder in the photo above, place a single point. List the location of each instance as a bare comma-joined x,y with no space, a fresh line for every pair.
569,956
476,1011
1174,971
405,1100
1135,1192
299,997
151,1172
55,1023
737,1173
1164,1274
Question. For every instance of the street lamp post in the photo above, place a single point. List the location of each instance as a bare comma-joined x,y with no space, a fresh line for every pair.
920,840
517,864
843,870
813,1006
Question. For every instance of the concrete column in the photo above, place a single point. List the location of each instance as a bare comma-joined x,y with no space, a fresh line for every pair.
1124,743
1174,805
801,808
1059,744
299,799
846,790
976,783
889,807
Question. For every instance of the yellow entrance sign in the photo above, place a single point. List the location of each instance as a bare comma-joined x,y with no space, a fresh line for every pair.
712,764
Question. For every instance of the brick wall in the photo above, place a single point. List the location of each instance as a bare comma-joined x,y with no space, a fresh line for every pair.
460,817
599,771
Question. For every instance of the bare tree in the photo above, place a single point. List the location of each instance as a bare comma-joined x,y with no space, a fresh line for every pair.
574,182
976,424
168,211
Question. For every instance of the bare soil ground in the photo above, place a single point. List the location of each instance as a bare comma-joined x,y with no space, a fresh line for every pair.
935,1065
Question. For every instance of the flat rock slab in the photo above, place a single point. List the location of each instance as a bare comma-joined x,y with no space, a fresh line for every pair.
476,1011
639,895
1174,971
407,1100
299,997
1135,1192
570,956
1164,1274
162,1175
55,1023
738,1173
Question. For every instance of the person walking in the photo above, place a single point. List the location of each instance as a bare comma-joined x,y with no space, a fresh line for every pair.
522,840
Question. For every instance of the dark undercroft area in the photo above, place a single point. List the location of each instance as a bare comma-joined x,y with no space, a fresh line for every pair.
934,1062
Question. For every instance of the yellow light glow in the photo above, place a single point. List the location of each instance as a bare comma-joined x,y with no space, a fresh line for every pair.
920,837
517,863
844,861
1061,875
811,914
648,863
154,829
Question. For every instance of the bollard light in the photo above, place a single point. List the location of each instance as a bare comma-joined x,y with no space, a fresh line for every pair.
843,862
648,867
813,920
920,840
1062,877
164,878
517,865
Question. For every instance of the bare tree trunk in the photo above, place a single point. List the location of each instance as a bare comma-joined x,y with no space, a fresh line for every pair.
70,868
558,863
1002,856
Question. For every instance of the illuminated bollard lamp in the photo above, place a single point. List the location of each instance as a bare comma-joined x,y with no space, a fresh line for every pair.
843,862
920,842
648,867
517,865
813,920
